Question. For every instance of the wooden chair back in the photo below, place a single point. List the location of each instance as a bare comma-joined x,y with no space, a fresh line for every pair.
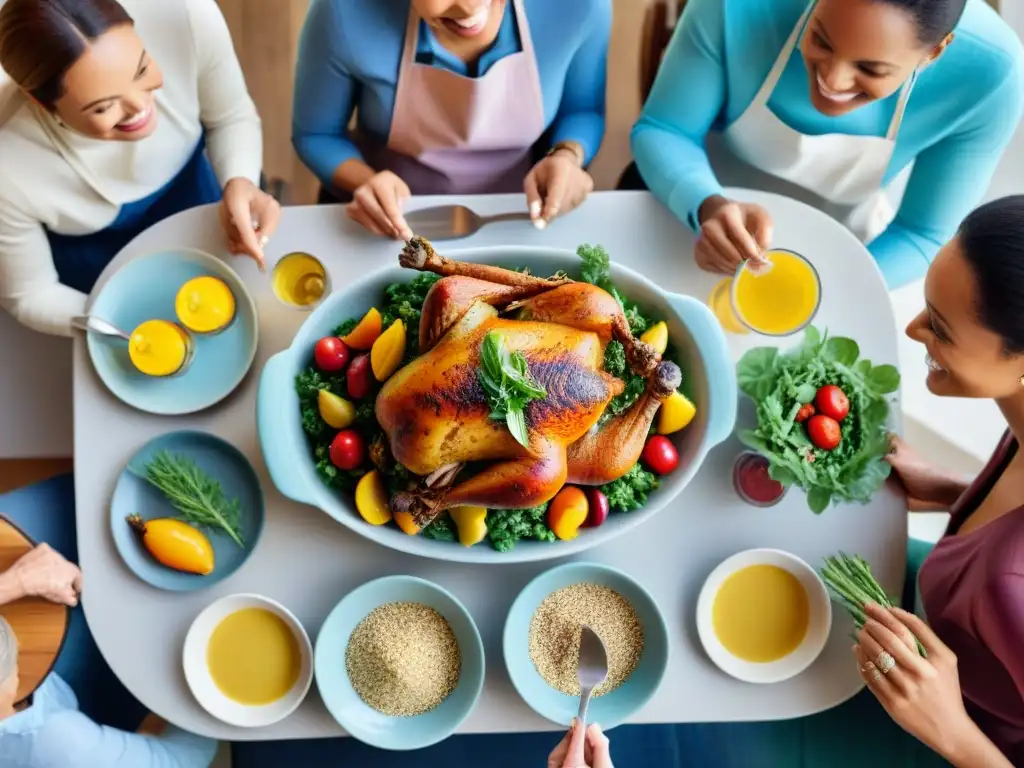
39,625
655,36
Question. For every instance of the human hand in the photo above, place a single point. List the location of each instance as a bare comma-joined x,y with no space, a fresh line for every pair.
581,748
928,487
45,573
730,233
377,205
920,693
554,186
152,725
249,217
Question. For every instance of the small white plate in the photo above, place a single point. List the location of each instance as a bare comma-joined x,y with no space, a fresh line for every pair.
819,625
197,673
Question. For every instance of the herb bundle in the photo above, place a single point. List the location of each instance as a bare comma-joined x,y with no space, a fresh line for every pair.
198,498
852,584
508,385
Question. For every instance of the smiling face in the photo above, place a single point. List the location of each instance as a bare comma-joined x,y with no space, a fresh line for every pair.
109,90
460,20
966,359
859,51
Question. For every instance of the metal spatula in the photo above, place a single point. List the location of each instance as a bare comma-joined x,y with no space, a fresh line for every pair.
454,222
592,670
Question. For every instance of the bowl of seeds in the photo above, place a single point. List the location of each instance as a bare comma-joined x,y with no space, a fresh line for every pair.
399,663
542,642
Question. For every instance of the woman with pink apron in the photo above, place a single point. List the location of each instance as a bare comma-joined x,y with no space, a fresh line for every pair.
454,97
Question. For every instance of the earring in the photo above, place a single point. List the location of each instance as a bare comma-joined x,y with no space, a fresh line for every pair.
1021,381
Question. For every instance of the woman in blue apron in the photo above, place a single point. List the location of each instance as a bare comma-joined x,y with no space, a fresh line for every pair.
837,103
130,112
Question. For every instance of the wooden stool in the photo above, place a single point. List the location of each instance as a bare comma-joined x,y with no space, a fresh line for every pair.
39,625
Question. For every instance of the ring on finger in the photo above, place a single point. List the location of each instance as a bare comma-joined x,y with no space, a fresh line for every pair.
885,662
871,671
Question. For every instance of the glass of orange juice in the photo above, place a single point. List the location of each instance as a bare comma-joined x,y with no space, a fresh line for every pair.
300,280
778,300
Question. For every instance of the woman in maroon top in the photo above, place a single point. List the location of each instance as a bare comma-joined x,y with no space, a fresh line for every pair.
965,699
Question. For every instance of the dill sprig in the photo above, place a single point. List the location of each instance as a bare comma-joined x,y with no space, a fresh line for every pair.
198,498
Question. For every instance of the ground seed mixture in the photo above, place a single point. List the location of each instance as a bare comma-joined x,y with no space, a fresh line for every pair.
558,623
403,659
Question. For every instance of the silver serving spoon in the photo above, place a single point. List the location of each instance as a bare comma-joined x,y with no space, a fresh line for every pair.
592,670
454,222
94,324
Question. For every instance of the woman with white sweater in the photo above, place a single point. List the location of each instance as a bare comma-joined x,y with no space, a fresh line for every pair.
132,111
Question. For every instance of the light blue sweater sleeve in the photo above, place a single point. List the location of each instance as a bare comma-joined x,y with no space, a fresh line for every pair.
69,739
949,180
581,112
688,95
961,115
325,94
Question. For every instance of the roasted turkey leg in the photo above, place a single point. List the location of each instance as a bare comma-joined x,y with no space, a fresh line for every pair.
533,481
606,454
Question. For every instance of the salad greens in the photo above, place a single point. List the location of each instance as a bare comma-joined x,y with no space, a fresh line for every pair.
508,385
781,382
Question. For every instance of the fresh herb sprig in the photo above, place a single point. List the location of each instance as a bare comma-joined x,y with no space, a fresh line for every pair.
506,379
852,584
198,498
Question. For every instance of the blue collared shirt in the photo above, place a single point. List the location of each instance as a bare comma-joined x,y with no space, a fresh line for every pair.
52,733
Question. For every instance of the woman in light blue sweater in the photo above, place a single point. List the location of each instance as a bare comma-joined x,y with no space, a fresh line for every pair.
831,102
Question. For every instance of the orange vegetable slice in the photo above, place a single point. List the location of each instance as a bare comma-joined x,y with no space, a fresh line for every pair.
372,499
388,350
366,332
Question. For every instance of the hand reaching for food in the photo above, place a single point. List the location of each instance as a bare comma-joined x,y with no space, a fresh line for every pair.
249,217
581,747
731,233
555,186
377,205
45,573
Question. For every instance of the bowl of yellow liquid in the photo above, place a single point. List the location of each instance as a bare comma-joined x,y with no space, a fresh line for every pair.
205,305
248,661
764,616
300,280
778,300
160,348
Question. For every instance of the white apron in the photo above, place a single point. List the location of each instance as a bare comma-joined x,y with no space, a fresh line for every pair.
837,173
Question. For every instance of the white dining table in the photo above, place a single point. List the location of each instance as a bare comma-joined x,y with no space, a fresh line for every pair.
308,562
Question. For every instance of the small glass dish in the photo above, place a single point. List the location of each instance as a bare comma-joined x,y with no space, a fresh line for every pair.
752,482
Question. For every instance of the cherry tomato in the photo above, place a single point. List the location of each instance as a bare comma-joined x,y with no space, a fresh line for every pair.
805,412
824,432
347,449
358,376
832,401
660,455
330,354
597,508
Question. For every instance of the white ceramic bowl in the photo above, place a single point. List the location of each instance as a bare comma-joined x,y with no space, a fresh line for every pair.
197,673
819,624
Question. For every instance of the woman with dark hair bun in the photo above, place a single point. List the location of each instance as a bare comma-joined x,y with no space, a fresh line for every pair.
836,103
965,699
132,111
